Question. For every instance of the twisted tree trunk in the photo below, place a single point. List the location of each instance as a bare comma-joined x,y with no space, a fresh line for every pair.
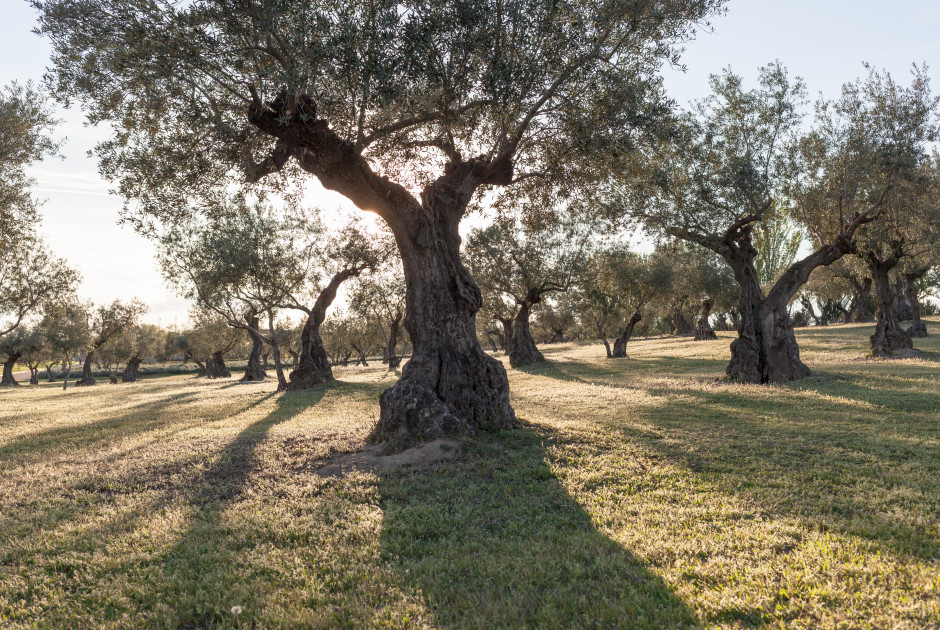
253,371
50,377
766,350
703,331
8,378
131,370
34,375
88,378
889,337
450,385
524,351
215,366
313,367
620,343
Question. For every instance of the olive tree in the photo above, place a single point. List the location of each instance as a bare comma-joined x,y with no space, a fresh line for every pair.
524,263
614,290
407,109
741,153
12,348
105,322
66,332
31,278
26,123
906,232
209,340
146,341
381,295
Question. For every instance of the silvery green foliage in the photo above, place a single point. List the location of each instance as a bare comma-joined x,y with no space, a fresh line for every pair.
406,85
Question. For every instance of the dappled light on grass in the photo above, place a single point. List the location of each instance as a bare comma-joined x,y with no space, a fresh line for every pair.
644,492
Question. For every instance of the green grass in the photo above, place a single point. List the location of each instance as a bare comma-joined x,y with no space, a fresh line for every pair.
637,493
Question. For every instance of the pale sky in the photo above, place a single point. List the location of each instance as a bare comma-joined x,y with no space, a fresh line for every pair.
823,41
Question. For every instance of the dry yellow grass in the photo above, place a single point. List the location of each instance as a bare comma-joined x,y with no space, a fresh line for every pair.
636,493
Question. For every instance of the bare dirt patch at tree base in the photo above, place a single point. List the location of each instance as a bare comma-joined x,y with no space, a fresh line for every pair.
371,460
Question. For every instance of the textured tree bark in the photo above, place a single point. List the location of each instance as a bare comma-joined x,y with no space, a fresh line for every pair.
889,337
918,328
620,343
703,331
131,370
253,371
450,385
215,366
765,350
8,378
87,377
524,351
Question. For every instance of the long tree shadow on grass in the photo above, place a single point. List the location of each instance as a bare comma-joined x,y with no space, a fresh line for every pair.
492,540
202,570
842,468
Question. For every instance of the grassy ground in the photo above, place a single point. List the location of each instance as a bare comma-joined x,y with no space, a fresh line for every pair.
637,493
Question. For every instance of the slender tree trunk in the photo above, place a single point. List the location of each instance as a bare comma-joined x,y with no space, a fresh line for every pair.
87,377
50,377
808,308
34,375
918,328
394,361
253,371
889,337
131,370
8,378
203,371
276,351
703,331
620,343
68,372
314,365
524,351
450,385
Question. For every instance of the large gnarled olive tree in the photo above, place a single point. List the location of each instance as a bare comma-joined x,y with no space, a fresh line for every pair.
407,109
